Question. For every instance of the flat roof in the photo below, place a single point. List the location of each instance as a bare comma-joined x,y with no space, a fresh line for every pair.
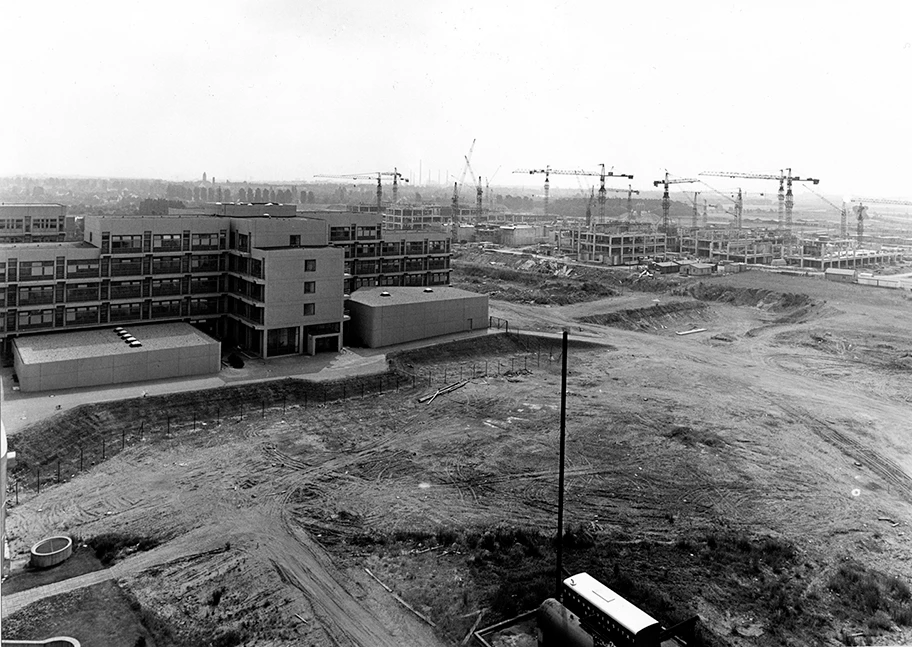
84,344
67,243
836,270
400,295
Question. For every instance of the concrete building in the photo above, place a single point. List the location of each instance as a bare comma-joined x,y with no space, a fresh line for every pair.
613,247
27,223
840,275
104,356
272,286
382,317
259,276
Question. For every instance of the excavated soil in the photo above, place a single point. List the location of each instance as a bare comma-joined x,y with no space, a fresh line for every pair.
730,474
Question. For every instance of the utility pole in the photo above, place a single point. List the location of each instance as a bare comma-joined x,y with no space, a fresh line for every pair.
560,483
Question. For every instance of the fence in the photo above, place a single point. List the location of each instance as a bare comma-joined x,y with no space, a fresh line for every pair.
146,419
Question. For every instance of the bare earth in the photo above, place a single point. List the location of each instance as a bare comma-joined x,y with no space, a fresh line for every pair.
786,418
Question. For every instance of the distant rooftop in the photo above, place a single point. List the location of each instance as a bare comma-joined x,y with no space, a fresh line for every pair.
78,244
85,344
400,295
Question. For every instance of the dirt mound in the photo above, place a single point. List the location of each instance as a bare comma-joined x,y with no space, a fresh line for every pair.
656,317
753,297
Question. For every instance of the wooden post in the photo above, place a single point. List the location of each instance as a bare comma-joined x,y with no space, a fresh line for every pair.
58,471
102,449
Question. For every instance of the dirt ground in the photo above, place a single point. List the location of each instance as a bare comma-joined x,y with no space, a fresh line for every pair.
729,473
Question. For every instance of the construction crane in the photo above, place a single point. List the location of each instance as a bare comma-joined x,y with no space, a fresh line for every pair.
706,206
488,189
395,174
479,192
461,181
861,211
548,171
785,178
666,199
843,213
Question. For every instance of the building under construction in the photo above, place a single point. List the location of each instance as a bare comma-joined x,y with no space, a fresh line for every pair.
627,243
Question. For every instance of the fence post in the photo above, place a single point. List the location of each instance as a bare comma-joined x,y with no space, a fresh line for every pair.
17,491
142,429
444,373
486,368
102,449
511,364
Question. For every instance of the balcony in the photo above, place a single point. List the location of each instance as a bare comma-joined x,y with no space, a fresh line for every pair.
166,289
82,294
126,269
36,298
126,292
92,273
166,267
132,249
82,318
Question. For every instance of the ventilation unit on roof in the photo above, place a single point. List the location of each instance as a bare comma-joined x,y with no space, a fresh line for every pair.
135,344
118,329
129,339
428,290
385,294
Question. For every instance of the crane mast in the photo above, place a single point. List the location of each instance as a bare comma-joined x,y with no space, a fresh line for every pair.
786,199
666,199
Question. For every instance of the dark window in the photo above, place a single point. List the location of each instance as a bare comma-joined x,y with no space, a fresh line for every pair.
310,287
310,266
309,309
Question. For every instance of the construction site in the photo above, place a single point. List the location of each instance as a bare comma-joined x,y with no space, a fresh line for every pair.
734,399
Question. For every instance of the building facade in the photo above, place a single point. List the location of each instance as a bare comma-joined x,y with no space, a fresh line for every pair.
258,276
27,223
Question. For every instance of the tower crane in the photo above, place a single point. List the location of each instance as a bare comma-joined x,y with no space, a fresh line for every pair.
666,199
395,174
785,188
488,189
479,192
548,171
459,184
843,213
861,210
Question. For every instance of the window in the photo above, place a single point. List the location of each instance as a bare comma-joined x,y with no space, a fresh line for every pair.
310,266
310,287
309,309
294,240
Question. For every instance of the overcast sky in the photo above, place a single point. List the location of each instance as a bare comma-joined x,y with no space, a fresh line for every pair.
283,90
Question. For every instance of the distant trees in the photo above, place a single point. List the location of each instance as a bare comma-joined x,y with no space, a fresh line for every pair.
158,206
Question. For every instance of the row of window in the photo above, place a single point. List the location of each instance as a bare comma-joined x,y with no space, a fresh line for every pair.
115,312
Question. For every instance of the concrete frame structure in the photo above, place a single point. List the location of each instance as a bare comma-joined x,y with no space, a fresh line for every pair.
382,317
614,246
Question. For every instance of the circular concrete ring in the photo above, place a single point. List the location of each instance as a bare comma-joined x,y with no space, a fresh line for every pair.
51,551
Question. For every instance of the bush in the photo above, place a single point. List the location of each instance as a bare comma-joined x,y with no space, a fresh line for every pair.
108,546
235,361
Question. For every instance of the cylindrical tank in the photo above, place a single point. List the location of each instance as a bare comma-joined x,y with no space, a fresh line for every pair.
560,627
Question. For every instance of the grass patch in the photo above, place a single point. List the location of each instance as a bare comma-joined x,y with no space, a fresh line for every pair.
867,596
110,547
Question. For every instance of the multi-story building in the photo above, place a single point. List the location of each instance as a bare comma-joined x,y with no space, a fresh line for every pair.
270,285
375,257
259,276
613,246
27,223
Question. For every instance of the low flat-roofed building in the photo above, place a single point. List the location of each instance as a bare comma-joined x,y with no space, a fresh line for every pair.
100,357
843,275
32,222
395,315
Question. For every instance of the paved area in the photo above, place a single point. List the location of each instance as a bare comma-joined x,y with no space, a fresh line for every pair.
134,564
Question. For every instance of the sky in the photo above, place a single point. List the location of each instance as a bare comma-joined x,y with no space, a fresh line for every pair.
282,90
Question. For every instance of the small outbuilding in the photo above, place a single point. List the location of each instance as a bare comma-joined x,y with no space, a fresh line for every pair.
698,269
841,275
114,356
395,315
